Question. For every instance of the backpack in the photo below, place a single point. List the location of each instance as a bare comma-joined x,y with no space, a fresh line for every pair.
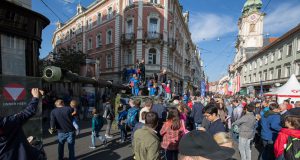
292,150
132,117
99,122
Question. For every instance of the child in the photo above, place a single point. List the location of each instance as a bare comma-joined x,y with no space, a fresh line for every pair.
283,147
172,131
136,86
74,104
97,124
168,91
122,122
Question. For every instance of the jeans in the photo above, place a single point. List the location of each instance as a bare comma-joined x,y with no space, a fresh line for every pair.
123,132
76,126
244,147
62,138
171,154
160,90
132,91
108,127
234,136
136,91
268,150
96,134
168,96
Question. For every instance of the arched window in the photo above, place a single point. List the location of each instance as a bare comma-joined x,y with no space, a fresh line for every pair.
152,56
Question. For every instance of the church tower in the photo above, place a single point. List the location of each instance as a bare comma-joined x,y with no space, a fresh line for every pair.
250,33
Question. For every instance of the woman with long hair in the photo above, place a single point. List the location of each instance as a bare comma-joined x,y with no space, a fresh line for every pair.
172,131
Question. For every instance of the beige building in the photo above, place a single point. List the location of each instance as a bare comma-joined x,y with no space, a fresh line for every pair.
273,64
116,33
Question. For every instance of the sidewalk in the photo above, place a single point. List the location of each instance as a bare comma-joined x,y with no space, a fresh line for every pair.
112,151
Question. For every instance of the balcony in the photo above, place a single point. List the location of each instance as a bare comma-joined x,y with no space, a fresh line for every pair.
153,36
128,38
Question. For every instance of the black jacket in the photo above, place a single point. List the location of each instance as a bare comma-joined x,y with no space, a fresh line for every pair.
197,114
13,142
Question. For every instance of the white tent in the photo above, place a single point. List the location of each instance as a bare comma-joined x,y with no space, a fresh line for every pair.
291,89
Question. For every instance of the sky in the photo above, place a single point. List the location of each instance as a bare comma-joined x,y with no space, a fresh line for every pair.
213,25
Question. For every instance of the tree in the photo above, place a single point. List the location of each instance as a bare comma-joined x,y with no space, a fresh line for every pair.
65,59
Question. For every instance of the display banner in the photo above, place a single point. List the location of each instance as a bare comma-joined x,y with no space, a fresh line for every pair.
15,94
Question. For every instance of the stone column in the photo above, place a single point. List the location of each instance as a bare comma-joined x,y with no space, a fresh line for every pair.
139,42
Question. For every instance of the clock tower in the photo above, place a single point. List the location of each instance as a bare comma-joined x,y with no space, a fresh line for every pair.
250,30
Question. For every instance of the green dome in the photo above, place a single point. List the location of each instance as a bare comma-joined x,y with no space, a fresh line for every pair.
251,5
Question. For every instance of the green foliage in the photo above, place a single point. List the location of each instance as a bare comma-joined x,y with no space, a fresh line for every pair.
66,59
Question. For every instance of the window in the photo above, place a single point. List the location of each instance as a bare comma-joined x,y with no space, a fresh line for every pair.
153,25
90,43
109,13
79,28
130,26
287,71
260,62
108,37
245,79
99,18
289,50
265,75
298,68
298,44
245,69
255,65
99,40
154,1
108,61
152,56
78,46
280,53
250,79
259,76
129,57
266,60
250,67
272,57
90,23
278,73
254,77
252,27
271,74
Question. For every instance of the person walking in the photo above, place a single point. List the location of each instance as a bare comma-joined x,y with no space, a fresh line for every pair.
246,125
109,116
61,120
97,124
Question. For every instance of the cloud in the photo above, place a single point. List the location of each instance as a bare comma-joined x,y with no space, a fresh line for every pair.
210,26
282,18
68,5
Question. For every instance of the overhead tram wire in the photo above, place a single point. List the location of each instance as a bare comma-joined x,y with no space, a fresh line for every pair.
51,10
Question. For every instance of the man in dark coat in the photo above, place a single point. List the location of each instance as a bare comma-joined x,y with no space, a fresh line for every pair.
13,142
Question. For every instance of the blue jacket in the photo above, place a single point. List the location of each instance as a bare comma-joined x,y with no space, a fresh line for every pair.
13,142
197,114
270,126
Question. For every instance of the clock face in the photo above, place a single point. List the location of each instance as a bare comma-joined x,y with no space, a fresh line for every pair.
253,18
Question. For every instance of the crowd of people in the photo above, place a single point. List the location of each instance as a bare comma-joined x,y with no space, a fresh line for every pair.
185,128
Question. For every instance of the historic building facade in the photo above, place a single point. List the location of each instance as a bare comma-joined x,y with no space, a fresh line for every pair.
117,33
274,63
20,38
249,41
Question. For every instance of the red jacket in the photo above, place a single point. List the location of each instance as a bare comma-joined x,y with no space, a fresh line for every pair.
282,139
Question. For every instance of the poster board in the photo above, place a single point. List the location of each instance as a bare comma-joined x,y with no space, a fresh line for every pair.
15,94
